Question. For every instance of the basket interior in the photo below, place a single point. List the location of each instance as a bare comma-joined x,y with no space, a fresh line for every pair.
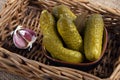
28,15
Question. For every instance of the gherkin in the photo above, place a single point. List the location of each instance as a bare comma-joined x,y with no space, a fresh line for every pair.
53,43
70,34
93,37
62,10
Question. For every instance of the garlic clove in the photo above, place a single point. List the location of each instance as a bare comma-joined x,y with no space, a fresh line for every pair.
30,31
19,41
26,35
23,37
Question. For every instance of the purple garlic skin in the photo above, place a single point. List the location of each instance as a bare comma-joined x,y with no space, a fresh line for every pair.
23,38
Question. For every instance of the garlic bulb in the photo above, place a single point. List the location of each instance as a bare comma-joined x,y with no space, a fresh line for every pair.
23,38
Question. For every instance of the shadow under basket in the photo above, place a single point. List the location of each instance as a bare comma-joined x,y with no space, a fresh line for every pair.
32,64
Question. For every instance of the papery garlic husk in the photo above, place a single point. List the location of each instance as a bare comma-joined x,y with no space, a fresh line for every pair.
23,38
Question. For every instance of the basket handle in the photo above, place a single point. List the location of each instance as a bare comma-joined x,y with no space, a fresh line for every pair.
19,65
96,6
111,7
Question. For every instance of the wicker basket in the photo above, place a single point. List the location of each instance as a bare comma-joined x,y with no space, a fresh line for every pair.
33,64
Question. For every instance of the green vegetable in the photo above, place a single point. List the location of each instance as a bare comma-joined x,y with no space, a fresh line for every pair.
63,10
53,43
93,37
70,34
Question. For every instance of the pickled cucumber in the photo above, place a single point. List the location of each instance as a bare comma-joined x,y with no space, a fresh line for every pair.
53,43
69,34
93,37
62,10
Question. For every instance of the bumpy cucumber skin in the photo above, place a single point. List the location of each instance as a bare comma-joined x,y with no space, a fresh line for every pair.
70,34
62,10
53,43
93,37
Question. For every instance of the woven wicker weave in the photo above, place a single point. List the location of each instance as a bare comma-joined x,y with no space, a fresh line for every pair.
33,64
